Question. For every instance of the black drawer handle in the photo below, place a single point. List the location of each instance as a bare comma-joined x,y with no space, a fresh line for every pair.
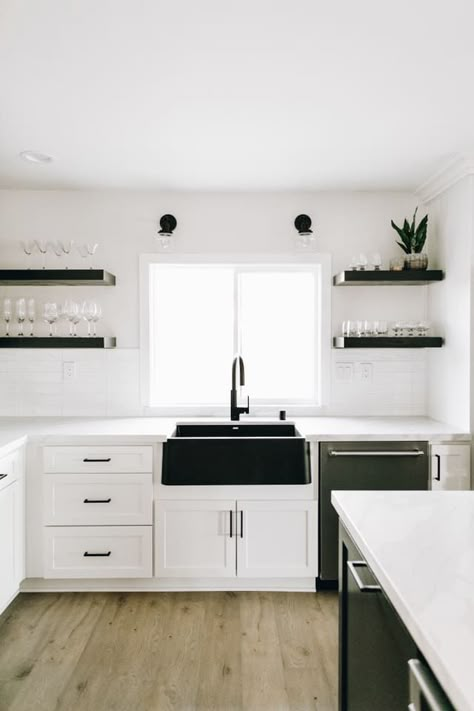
97,555
97,501
3,476
109,459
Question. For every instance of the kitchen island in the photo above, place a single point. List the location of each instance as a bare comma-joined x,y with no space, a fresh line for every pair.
419,547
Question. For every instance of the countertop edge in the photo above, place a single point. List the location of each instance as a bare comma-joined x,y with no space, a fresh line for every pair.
396,598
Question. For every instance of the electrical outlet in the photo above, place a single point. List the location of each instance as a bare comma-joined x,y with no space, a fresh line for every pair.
69,370
365,372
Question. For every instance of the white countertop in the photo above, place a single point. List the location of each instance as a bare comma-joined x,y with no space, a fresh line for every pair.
420,546
143,430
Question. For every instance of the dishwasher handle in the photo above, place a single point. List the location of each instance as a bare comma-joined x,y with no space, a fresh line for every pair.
375,453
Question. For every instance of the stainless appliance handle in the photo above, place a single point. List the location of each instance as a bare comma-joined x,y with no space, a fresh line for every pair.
374,453
353,565
424,687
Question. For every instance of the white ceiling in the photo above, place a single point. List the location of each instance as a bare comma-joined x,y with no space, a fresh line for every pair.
234,94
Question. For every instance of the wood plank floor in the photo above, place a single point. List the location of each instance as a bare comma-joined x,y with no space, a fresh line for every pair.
158,651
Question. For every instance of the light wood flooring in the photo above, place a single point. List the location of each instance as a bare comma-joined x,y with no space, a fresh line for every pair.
158,651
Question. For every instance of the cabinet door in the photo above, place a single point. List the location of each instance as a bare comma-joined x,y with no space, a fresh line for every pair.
451,467
374,645
195,539
11,542
276,539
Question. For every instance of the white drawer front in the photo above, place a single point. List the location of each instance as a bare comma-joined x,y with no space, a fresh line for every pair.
11,466
98,552
98,499
98,459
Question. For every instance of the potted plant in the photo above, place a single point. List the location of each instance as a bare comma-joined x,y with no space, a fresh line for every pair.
413,240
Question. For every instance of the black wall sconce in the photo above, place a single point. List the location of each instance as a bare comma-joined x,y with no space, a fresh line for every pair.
303,225
168,225
165,233
305,233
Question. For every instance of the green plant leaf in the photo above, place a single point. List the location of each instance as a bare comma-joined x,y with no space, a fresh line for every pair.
414,221
404,247
403,236
421,233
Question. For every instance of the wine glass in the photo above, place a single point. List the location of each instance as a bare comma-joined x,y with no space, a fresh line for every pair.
88,310
376,261
66,249
91,248
97,317
20,312
31,314
28,248
72,312
43,249
7,315
50,315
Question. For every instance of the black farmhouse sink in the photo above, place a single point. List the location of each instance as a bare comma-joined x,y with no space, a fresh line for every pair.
235,453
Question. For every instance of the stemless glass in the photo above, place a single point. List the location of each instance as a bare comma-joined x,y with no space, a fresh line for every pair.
88,311
7,315
376,261
20,312
51,315
382,328
31,314
97,317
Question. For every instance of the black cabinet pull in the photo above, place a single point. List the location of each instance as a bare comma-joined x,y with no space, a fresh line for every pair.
97,501
97,555
438,468
2,476
231,519
241,524
109,459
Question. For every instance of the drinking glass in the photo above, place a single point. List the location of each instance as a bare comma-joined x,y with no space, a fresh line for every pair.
20,312
397,328
97,317
51,315
28,248
72,312
66,249
376,261
91,248
382,328
422,328
7,315
88,310
359,328
362,262
42,247
31,314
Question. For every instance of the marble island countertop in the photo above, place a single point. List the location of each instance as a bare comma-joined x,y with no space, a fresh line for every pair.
58,430
420,546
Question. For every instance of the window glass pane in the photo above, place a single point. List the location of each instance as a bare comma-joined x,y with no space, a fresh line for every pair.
191,334
278,330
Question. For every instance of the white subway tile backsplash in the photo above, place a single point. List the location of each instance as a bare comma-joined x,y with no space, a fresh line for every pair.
107,383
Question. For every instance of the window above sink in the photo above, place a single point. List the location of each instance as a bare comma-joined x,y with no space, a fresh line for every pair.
196,315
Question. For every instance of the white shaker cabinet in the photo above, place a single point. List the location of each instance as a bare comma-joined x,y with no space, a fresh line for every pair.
247,539
195,539
12,525
277,539
451,467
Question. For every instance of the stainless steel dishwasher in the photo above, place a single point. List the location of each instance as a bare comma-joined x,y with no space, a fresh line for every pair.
362,466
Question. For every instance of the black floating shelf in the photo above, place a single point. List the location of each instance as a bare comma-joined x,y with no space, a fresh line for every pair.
385,277
56,277
58,342
387,342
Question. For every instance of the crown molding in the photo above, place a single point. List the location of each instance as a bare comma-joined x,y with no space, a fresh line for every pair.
456,169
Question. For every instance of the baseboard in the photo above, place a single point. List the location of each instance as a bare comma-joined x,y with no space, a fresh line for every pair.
169,585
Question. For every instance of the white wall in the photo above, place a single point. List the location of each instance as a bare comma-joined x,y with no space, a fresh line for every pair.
449,397
124,223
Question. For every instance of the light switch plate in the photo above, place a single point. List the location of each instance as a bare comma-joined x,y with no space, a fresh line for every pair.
344,372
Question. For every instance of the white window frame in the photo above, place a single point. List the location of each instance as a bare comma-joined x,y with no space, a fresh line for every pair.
257,261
